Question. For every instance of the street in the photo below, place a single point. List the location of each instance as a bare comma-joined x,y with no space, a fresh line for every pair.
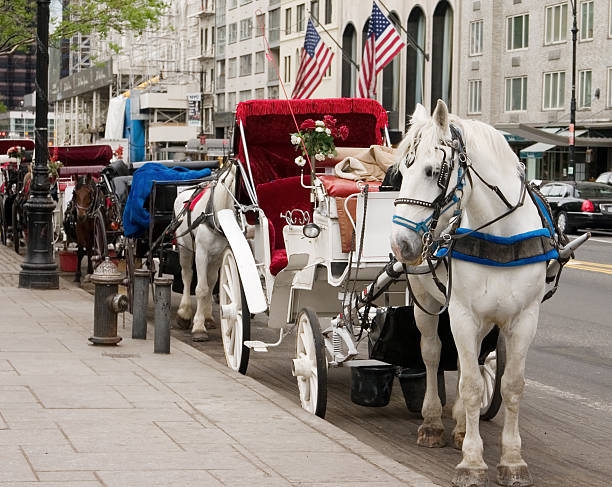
566,410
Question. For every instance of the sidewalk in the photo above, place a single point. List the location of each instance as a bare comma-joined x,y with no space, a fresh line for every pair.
72,414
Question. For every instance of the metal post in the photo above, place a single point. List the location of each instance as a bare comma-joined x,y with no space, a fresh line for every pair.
141,300
572,147
162,314
39,269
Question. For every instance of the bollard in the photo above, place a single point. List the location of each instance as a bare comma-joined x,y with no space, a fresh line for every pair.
162,314
141,301
107,303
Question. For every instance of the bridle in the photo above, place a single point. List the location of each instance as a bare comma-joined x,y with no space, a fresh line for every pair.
436,249
93,205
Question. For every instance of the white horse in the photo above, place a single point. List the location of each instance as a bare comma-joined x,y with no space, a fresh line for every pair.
481,296
209,244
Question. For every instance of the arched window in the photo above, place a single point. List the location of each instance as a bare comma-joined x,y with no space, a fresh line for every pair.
442,54
364,34
415,61
390,84
349,51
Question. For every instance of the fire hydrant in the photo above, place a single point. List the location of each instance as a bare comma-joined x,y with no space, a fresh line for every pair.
108,303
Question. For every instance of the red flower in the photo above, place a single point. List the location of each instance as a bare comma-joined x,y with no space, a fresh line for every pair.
309,123
344,131
330,122
335,132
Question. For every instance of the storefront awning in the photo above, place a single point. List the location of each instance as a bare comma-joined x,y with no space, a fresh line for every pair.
554,136
536,150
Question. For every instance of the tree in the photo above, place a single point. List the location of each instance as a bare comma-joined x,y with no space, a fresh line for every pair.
18,20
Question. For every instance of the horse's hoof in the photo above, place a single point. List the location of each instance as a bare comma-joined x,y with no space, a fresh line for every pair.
199,336
182,323
210,324
458,437
514,476
470,477
430,437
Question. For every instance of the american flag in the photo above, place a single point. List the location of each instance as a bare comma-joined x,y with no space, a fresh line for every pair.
383,43
314,61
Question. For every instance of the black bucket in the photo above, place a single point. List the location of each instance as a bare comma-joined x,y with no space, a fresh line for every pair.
414,383
371,385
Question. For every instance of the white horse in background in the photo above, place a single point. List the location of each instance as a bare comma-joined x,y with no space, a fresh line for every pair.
209,244
481,296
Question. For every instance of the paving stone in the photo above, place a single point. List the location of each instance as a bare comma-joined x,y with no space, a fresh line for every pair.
11,342
184,478
70,476
14,466
78,483
250,476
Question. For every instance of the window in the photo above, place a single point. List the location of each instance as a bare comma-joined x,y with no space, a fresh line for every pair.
517,32
300,18
314,9
246,28
221,102
609,88
476,38
260,24
231,102
288,21
516,94
244,2
232,4
328,11
245,95
232,33
556,23
221,36
584,88
554,91
474,89
610,20
245,65
259,93
231,67
273,92
586,21
260,62
287,65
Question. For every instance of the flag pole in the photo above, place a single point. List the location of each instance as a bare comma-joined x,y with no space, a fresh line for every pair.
312,17
410,39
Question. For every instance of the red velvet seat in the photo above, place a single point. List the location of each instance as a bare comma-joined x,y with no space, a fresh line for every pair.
341,188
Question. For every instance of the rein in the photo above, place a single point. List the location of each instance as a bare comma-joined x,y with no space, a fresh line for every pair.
444,244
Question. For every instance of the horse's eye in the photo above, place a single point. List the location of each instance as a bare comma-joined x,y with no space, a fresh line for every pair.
428,171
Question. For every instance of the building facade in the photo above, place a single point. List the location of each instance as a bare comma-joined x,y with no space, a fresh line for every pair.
517,69
17,76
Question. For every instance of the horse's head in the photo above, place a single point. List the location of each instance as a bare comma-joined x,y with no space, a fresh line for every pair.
83,198
429,171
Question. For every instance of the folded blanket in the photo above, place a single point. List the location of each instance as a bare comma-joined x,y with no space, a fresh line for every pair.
135,216
369,165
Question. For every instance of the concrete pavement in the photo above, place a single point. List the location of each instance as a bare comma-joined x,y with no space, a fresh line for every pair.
73,414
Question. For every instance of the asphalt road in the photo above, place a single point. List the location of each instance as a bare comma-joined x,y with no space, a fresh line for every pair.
566,410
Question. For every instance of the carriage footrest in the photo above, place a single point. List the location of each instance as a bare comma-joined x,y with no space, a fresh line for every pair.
257,345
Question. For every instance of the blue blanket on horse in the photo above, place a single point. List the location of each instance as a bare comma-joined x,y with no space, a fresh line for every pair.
135,216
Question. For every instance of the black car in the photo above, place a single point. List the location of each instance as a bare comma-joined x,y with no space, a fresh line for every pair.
579,204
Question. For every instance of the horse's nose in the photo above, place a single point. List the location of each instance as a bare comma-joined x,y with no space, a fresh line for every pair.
407,249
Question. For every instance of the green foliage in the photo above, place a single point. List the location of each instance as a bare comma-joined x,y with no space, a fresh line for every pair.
316,138
3,107
18,20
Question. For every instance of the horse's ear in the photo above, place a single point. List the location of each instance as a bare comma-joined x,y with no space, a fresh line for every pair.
88,179
420,113
440,116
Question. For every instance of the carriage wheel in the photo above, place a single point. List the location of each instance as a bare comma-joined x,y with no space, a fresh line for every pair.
492,371
16,227
235,316
100,250
130,256
310,364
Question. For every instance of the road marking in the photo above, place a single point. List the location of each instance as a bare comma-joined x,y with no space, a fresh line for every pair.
590,266
585,401
600,240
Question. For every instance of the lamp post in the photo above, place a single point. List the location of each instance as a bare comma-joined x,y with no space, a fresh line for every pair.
572,141
39,269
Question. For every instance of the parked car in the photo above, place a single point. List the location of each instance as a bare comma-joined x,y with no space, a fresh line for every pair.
579,204
605,177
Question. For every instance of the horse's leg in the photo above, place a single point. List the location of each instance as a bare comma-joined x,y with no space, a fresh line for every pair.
214,264
512,469
80,253
472,470
203,242
185,312
458,416
89,264
431,432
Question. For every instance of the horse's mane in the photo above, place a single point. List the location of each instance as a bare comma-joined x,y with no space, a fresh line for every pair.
476,135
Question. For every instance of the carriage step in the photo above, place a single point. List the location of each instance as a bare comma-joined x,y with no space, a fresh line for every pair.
256,345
